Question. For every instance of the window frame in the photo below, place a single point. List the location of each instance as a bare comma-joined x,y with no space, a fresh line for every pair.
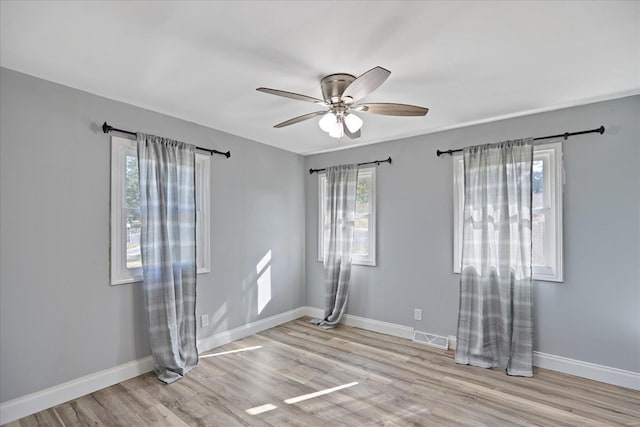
119,273
203,212
553,180
369,260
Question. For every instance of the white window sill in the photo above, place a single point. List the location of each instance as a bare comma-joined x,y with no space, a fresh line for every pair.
365,263
540,278
137,279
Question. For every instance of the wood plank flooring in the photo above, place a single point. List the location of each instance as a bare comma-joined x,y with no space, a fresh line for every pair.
386,381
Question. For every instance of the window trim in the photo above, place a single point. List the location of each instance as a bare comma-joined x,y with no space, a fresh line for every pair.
554,176
203,221
553,152
119,273
356,260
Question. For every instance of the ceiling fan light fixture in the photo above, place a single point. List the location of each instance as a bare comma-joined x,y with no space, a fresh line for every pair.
353,122
328,122
337,131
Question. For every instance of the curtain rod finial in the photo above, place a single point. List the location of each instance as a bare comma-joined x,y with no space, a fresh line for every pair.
106,128
601,129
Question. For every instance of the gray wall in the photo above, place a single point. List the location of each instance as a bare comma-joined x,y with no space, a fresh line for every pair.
59,317
593,316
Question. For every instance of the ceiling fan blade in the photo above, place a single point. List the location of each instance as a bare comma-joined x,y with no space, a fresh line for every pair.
390,109
291,95
366,83
359,107
352,135
300,119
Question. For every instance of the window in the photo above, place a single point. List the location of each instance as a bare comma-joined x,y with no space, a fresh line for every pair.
126,260
546,206
364,236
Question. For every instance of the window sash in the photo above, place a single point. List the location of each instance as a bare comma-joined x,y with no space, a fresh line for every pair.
120,274
553,181
370,259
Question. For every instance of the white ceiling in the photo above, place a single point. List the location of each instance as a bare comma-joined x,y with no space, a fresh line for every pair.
469,62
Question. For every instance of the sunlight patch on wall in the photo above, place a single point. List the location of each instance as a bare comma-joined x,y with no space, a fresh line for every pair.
263,268
218,320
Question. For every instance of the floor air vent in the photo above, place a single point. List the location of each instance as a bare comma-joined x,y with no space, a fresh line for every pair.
431,339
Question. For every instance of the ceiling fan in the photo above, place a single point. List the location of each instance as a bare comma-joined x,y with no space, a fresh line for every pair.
341,93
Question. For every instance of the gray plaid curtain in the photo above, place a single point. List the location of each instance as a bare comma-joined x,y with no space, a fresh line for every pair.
340,211
168,244
495,325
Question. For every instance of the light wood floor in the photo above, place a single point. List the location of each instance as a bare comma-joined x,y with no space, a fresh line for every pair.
396,381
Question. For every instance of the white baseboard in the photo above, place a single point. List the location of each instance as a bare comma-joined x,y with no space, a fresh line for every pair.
588,370
17,408
369,324
379,326
23,406
314,312
222,338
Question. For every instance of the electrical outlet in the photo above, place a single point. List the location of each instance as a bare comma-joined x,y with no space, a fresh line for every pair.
204,320
417,314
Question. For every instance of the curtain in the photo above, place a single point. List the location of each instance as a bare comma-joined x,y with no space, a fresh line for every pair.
168,245
495,321
340,211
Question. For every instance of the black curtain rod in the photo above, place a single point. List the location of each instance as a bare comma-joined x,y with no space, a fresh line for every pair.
565,135
377,162
106,128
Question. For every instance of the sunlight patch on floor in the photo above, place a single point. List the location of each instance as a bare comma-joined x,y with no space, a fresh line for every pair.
318,393
204,356
269,407
260,409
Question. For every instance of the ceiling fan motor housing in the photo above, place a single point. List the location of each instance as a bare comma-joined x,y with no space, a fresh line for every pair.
334,85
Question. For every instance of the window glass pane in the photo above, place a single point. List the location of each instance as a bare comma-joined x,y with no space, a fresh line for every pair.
362,194
361,237
133,190
538,184
537,236
539,215
134,259
361,230
132,204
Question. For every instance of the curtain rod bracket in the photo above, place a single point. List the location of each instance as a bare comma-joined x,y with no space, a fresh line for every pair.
106,128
